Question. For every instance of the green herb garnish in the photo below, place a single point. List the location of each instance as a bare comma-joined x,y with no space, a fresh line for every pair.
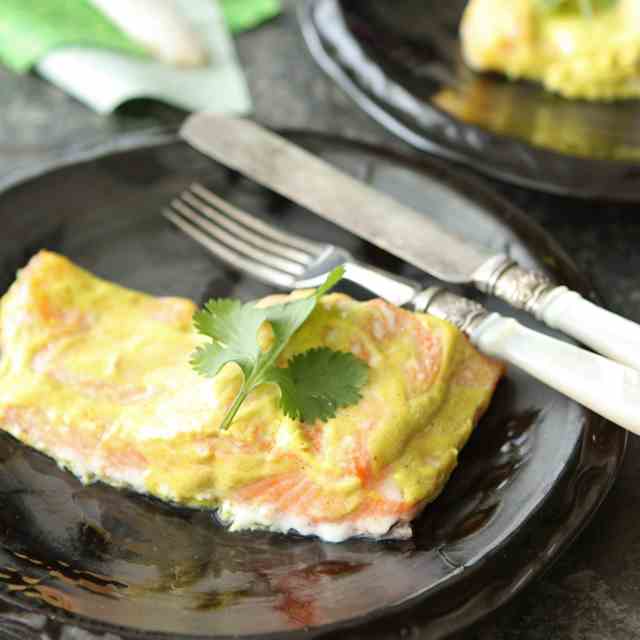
313,385
586,7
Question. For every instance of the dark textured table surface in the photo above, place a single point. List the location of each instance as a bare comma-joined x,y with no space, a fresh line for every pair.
593,591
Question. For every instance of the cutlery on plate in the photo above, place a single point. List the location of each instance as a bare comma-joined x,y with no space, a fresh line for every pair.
288,261
313,183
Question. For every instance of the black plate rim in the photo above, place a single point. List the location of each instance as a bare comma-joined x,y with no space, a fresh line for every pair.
423,143
460,179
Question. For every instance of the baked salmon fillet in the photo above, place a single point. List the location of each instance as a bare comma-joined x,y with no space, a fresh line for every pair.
98,377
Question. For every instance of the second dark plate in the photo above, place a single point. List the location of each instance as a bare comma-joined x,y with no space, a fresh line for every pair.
400,61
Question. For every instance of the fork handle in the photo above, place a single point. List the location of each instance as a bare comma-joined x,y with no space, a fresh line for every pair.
390,287
604,386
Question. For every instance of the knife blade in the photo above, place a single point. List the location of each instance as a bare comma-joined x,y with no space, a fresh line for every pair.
316,185
293,172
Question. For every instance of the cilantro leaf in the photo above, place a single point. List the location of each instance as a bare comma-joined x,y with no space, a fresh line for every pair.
287,318
551,5
233,329
586,7
315,383
318,382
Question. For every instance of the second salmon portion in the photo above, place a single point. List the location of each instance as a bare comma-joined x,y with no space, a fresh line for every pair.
578,49
98,377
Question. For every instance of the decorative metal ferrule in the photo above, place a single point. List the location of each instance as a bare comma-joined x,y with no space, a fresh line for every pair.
466,314
504,278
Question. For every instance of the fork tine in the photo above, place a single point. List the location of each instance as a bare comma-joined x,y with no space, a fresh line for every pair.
258,270
244,248
285,237
243,233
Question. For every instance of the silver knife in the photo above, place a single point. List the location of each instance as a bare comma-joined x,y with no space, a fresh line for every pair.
313,183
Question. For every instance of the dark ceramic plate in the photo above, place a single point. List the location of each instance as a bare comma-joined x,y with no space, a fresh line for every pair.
400,61
114,562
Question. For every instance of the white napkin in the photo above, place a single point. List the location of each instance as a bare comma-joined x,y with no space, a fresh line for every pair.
104,80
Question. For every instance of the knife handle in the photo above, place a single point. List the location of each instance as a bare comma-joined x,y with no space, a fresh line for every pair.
604,386
561,308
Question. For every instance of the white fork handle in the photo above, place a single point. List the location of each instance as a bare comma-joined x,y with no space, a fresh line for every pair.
606,387
606,332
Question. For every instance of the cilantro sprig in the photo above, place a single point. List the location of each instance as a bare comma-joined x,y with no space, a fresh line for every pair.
586,7
313,385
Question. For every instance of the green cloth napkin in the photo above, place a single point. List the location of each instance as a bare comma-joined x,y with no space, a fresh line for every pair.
247,14
29,29
105,79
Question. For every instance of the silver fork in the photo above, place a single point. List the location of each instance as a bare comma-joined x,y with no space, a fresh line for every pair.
273,256
287,261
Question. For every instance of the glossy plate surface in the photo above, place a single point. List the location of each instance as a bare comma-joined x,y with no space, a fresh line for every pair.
400,61
111,561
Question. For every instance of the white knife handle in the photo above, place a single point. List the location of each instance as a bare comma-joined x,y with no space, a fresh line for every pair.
604,386
606,332
561,308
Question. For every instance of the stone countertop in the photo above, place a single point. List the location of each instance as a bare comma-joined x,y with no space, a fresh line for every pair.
593,591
